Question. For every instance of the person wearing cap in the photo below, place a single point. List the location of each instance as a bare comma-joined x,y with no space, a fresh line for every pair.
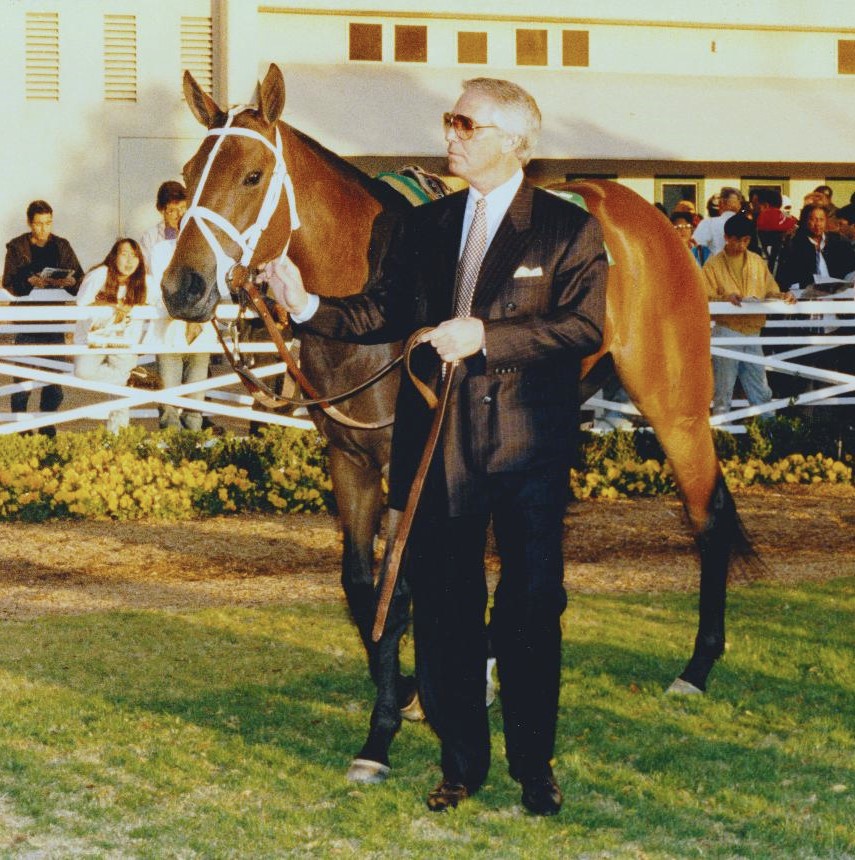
845,216
734,275
773,224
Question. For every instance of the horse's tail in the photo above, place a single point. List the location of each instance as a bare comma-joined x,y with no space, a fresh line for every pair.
725,532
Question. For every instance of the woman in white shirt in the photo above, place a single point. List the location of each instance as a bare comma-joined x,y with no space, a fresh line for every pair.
112,289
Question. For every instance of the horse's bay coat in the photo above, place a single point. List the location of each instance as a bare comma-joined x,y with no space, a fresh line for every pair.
541,294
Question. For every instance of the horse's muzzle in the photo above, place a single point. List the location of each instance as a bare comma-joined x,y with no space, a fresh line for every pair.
188,295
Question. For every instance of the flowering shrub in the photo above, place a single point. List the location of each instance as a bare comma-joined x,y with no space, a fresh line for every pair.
176,475
620,480
167,475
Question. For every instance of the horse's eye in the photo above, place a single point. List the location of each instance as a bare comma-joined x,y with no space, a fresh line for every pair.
253,178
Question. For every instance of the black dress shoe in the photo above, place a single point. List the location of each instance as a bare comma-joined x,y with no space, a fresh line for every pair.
447,795
541,794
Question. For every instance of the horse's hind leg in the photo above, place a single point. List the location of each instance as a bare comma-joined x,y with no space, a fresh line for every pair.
687,442
715,544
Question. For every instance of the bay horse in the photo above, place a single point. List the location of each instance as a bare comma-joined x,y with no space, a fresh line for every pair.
656,335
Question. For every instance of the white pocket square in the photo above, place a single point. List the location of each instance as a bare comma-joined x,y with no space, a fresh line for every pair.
525,272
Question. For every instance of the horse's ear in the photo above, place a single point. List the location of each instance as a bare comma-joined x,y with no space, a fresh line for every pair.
204,108
271,94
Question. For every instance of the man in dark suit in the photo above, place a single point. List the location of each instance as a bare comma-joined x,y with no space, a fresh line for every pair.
814,251
537,268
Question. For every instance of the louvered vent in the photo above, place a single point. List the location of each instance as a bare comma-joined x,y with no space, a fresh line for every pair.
120,58
197,50
41,77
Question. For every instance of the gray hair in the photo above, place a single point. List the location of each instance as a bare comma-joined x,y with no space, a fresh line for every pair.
518,112
727,191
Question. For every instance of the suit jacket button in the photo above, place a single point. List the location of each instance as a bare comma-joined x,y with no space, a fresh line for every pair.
487,399
510,306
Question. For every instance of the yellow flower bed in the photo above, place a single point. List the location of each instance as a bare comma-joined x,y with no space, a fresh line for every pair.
620,480
132,476
172,475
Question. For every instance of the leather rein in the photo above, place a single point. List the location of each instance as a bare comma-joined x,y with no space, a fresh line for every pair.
243,285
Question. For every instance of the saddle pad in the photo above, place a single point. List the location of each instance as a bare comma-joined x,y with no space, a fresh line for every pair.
415,184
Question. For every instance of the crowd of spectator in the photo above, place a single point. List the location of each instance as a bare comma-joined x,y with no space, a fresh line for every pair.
128,276
746,250
754,250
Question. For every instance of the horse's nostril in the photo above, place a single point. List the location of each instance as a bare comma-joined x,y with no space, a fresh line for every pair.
193,285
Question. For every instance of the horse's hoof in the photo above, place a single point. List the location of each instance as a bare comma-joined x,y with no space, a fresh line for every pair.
366,771
683,688
412,712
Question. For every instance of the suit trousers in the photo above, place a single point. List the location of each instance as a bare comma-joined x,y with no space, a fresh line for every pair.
445,569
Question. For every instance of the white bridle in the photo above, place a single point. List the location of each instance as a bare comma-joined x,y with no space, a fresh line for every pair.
202,216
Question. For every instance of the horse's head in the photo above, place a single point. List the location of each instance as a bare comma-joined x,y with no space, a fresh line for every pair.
238,215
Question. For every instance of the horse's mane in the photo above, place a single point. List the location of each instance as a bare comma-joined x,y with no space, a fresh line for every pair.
384,193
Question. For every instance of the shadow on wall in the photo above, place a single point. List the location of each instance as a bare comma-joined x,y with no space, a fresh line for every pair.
392,112
113,173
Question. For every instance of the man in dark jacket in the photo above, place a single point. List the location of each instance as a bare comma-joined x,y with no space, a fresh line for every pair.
27,257
511,281
814,252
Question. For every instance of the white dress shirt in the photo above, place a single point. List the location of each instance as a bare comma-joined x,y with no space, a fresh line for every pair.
498,203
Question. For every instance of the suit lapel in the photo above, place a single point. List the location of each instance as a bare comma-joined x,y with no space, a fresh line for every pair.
507,247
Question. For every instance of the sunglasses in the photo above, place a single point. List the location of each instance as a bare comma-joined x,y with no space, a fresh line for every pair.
464,126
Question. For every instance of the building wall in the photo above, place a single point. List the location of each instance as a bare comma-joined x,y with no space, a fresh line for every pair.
97,162
667,81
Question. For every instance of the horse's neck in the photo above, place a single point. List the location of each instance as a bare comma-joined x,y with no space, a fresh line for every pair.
337,215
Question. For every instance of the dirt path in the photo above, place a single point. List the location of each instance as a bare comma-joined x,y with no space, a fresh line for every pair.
642,545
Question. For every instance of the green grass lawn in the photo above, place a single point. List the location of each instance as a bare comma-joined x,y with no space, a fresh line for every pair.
226,733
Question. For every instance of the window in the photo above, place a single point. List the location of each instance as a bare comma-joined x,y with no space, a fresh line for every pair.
670,191
410,44
846,57
41,66
574,48
197,50
366,42
120,58
471,47
531,48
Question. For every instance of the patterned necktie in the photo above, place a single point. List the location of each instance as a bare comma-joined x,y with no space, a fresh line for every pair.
470,261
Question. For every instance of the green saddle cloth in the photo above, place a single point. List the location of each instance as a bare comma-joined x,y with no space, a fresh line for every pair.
415,184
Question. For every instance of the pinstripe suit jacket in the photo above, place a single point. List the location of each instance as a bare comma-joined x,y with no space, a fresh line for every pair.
541,295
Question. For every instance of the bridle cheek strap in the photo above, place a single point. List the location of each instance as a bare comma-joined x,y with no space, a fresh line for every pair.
247,240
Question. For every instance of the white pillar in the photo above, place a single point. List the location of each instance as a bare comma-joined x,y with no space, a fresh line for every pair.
236,71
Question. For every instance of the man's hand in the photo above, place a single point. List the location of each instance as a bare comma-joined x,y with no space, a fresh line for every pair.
457,338
789,298
286,285
735,299
37,282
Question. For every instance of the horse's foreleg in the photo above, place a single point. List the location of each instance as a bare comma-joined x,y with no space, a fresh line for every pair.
392,689
359,498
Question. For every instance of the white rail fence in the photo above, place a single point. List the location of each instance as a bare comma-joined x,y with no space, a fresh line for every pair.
832,325
37,365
